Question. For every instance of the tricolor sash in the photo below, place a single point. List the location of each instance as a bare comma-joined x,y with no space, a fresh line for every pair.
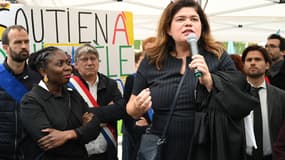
11,85
108,131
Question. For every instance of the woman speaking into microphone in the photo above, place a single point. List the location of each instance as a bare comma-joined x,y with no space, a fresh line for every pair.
158,77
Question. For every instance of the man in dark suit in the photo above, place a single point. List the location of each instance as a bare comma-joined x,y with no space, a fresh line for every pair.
272,103
275,47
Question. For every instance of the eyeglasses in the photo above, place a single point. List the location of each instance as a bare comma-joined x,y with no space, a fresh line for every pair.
271,46
85,59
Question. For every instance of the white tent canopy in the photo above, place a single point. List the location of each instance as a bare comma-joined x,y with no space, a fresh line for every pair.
235,20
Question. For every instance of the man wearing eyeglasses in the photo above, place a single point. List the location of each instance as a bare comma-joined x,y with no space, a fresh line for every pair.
276,48
97,90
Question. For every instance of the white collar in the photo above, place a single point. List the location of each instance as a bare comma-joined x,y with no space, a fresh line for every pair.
262,85
43,85
96,82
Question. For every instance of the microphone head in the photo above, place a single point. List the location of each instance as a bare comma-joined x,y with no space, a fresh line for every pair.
191,37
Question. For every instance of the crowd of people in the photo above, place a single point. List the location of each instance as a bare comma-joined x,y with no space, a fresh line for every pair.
51,109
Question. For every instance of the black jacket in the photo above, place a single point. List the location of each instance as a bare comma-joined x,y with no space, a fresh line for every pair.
10,121
278,80
41,109
226,106
275,109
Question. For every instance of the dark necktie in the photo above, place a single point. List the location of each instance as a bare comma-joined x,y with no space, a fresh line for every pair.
257,154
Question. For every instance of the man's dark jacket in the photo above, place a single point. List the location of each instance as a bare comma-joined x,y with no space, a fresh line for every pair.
279,79
10,120
107,92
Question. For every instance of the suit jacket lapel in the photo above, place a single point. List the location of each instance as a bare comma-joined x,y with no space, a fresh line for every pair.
270,102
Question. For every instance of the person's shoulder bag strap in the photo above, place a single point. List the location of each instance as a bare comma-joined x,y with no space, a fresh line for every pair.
163,136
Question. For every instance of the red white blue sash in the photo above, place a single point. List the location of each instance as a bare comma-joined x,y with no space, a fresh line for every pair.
108,131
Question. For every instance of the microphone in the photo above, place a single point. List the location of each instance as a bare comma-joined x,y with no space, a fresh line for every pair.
192,41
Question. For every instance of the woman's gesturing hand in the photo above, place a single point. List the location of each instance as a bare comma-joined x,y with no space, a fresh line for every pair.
139,104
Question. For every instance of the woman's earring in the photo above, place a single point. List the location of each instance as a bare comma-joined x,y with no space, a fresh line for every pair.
45,79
